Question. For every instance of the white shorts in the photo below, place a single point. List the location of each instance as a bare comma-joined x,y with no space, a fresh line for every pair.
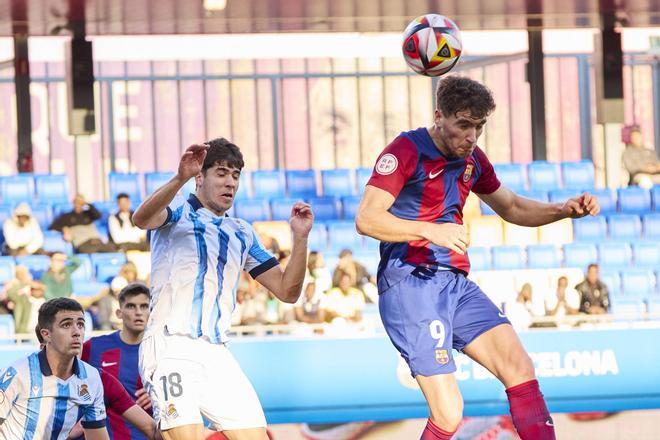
189,378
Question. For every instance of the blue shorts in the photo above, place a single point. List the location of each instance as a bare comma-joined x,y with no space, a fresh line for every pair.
431,311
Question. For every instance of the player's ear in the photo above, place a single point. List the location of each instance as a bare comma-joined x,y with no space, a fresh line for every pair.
45,334
118,313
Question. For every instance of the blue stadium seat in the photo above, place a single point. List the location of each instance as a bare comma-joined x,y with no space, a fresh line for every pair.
342,235
350,206
156,179
627,306
652,226
53,242
128,183
243,186
512,175
38,264
368,259
337,182
543,176
107,258
5,213
612,280
318,238
300,183
325,208
362,176
7,330
61,208
647,255
606,199
84,272
590,229
625,227
561,195
371,244
479,258
508,258
541,196
255,210
17,188
614,255
655,198
578,175
7,266
102,228
88,288
268,184
106,271
634,200
52,188
280,208
106,209
485,209
654,305
43,213
579,255
638,282
543,256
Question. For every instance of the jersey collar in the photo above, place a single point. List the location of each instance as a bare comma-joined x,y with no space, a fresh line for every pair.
45,368
196,204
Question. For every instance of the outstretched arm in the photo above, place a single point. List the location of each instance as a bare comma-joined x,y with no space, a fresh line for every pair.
526,212
152,213
287,284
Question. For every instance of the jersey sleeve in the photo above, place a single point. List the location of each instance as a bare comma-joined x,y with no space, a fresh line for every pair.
174,212
10,389
87,348
258,260
487,183
395,165
116,396
93,414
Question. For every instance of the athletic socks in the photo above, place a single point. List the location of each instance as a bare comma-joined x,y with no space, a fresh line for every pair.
529,412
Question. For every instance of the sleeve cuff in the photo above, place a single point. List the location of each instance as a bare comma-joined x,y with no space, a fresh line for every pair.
94,424
169,217
263,267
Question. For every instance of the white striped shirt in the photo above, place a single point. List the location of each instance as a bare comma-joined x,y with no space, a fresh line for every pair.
196,262
36,404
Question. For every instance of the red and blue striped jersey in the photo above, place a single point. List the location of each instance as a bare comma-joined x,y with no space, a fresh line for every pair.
430,187
119,359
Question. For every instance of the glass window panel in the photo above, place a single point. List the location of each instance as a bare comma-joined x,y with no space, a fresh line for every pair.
346,122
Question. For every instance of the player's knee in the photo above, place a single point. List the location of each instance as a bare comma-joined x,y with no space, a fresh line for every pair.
449,417
522,368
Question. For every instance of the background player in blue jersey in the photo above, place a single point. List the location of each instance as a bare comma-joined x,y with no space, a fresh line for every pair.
413,205
44,395
117,354
198,253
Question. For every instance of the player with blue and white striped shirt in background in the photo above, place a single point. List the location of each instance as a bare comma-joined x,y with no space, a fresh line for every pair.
197,255
44,395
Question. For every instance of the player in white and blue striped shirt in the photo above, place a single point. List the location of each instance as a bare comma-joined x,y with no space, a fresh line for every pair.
197,254
44,395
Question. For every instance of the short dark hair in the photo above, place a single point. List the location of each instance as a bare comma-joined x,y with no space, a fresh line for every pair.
594,265
345,253
37,330
459,93
221,151
123,196
133,289
49,309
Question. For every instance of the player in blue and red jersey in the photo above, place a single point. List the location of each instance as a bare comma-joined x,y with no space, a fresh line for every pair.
413,204
118,353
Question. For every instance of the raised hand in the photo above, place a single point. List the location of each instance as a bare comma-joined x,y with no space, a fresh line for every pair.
581,206
192,160
302,219
449,235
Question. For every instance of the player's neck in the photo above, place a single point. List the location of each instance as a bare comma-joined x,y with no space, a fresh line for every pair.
435,137
206,205
129,337
61,365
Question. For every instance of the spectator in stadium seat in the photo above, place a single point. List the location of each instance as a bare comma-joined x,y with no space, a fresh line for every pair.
22,232
641,161
270,243
343,302
57,278
357,273
123,231
594,298
521,311
18,293
318,273
309,307
565,302
78,227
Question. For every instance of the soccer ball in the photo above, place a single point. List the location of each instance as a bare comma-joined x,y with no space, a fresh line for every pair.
432,44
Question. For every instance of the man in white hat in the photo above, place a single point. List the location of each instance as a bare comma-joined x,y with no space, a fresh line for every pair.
22,232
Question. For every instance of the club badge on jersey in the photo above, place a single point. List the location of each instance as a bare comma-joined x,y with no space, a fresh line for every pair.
468,172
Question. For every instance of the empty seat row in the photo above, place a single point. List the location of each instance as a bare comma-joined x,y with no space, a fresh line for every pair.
626,227
325,208
578,255
546,176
